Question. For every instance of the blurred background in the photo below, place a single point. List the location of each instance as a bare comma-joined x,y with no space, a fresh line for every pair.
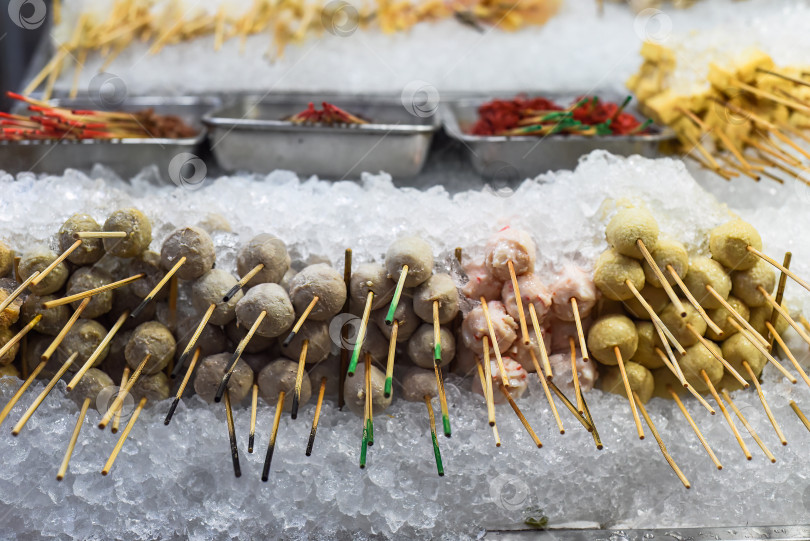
17,47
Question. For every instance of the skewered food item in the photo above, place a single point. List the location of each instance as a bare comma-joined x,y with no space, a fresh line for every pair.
266,250
153,387
192,243
532,291
738,349
656,297
272,300
510,245
371,277
84,338
85,279
279,375
705,272
209,374
417,384
640,379
517,377
407,320
698,358
648,340
319,342
729,244
761,314
666,253
53,319
322,281
613,270
6,335
413,252
441,288
522,352
137,227
354,390
212,340
6,259
153,339
90,250
745,283
481,283
93,383
328,369
628,227
236,332
609,332
37,260
572,283
421,346
210,288
147,263
721,316
679,326
474,328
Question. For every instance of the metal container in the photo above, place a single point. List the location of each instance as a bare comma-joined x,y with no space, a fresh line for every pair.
250,135
127,157
514,158
744,533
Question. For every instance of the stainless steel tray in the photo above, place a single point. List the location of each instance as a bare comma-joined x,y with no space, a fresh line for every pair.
744,533
127,157
249,135
515,158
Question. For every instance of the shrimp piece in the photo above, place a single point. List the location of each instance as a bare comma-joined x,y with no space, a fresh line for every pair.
561,366
532,291
573,282
474,327
516,375
514,245
520,352
481,283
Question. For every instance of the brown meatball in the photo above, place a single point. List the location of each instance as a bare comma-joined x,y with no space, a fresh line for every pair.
319,342
745,284
411,251
84,337
210,371
150,338
325,282
328,369
698,358
93,383
418,383
90,250
153,387
212,339
613,270
609,332
441,288
279,376
138,230
210,288
406,318
236,333
707,272
53,319
38,259
640,379
195,245
85,279
677,325
421,346
147,263
354,390
6,335
269,298
268,250
371,277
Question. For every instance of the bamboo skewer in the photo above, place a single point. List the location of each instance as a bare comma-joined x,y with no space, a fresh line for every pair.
661,278
127,429
520,415
237,470
47,270
271,446
16,293
494,340
484,386
550,399
437,359
437,454
669,359
51,384
369,401
720,358
660,442
237,354
779,266
242,282
594,433
344,332
91,292
122,393
570,406
575,375
73,438
764,351
168,276
487,383
300,321
81,235
182,388
63,332
780,292
316,417
117,419
629,392
299,378
524,329
789,354
655,317
800,415
27,383
765,405
361,334
741,320
389,367
254,403
721,135
389,318
782,312
101,348
784,76
688,387
724,411
19,336
540,342
695,428
693,301
193,342
774,153
583,348
748,427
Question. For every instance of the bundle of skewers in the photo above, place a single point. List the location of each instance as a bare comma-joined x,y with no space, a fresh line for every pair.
328,115
749,119
539,116
104,309
47,122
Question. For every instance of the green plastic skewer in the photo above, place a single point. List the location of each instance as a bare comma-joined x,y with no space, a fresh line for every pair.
389,319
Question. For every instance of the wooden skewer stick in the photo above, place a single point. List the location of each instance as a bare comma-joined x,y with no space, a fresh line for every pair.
62,333
770,127
146,300
800,414
580,333
127,429
779,266
299,379
748,427
782,312
317,416
361,334
550,399
780,293
437,454
764,351
437,361
27,383
19,336
366,429
484,386
661,278
47,270
301,321
693,301
673,362
369,400
122,393
695,428
725,413
629,391
741,320
182,388
487,383
273,433
51,384
117,419
389,318
784,76
237,470
575,375
594,433
573,409
389,367
654,317
494,340
101,348
789,353
254,403
193,342
720,358
237,354
73,438
660,442
344,331
242,282
688,387
524,329
541,343
16,293
775,153
100,235
729,144
520,415
91,292
765,405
